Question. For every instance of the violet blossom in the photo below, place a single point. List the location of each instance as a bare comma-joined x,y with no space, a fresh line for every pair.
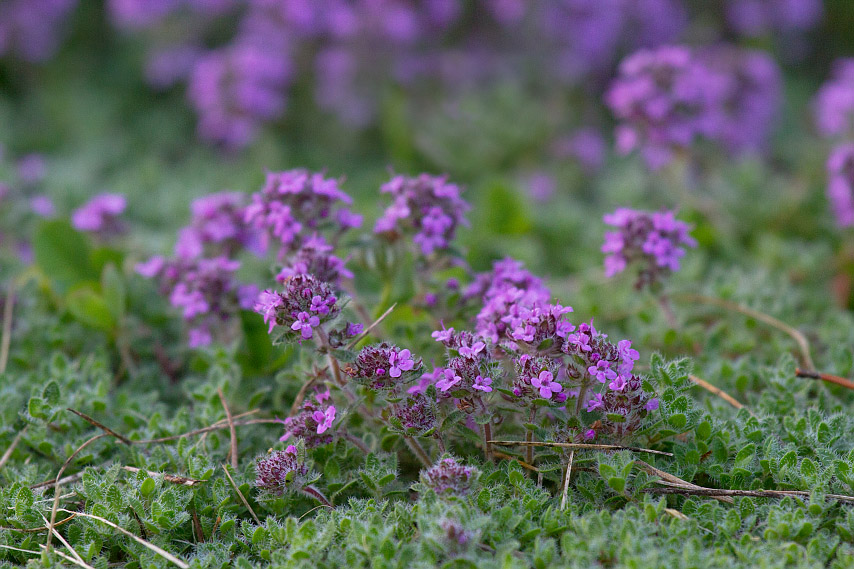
100,215
840,185
305,303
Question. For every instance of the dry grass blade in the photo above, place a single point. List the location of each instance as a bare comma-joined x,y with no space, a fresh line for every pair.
564,494
719,392
215,427
579,446
825,377
101,426
726,493
171,478
164,554
796,335
367,331
62,481
39,529
242,497
6,340
676,514
67,545
8,454
231,429
57,486
70,559
301,396
522,463
675,481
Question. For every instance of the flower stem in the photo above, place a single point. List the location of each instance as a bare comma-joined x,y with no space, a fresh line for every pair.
581,393
529,436
667,310
419,451
357,442
317,495
487,436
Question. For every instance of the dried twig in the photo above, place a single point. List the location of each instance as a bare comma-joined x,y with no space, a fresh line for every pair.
231,428
675,481
62,481
722,492
165,554
796,335
8,454
301,396
172,478
565,491
522,463
67,545
580,446
39,529
719,392
104,428
6,340
367,331
242,497
825,377
198,532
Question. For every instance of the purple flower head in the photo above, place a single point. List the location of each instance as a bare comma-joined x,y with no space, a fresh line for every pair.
313,421
315,257
448,381
415,416
426,207
292,201
624,406
32,30
448,477
354,329
840,184
42,206
304,304
664,99
216,227
655,241
281,471
384,367
834,103
759,17
100,214
652,404
602,371
537,328
482,384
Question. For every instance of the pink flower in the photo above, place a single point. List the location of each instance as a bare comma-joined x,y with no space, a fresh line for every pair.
400,362
482,383
304,324
324,419
449,380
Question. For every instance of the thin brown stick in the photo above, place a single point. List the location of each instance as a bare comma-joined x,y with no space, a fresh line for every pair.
565,491
215,427
8,454
676,514
62,482
242,497
719,392
367,331
668,478
69,558
6,341
165,554
67,545
39,529
198,532
231,428
796,335
101,426
825,377
171,478
301,396
721,492
57,485
580,446
519,461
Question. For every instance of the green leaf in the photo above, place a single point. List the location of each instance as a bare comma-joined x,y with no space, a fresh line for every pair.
62,254
745,455
809,470
147,487
617,483
678,420
51,393
90,308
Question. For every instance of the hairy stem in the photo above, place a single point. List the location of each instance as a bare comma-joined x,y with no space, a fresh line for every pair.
317,495
419,451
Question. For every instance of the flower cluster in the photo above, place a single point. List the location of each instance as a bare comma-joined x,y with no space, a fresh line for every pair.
624,409
414,416
216,227
384,367
204,290
100,215
281,471
654,240
760,17
295,202
448,477
426,206
300,308
315,257
313,422
834,103
33,29
840,187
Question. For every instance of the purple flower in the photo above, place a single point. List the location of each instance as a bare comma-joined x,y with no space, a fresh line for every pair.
618,384
315,257
546,384
383,367
654,240
595,402
834,103
450,477
216,227
602,371
759,17
354,329
42,206
100,214
400,362
281,471
652,404
443,335
482,384
449,379
304,323
324,419
473,350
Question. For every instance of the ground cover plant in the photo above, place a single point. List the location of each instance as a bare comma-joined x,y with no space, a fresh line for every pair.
377,283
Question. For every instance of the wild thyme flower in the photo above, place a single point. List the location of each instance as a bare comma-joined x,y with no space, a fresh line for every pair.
203,289
33,29
313,422
593,356
448,477
834,103
755,18
315,258
428,207
663,100
100,215
415,416
281,471
216,228
655,241
840,184
384,367
539,327
296,202
624,410
538,377
304,304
